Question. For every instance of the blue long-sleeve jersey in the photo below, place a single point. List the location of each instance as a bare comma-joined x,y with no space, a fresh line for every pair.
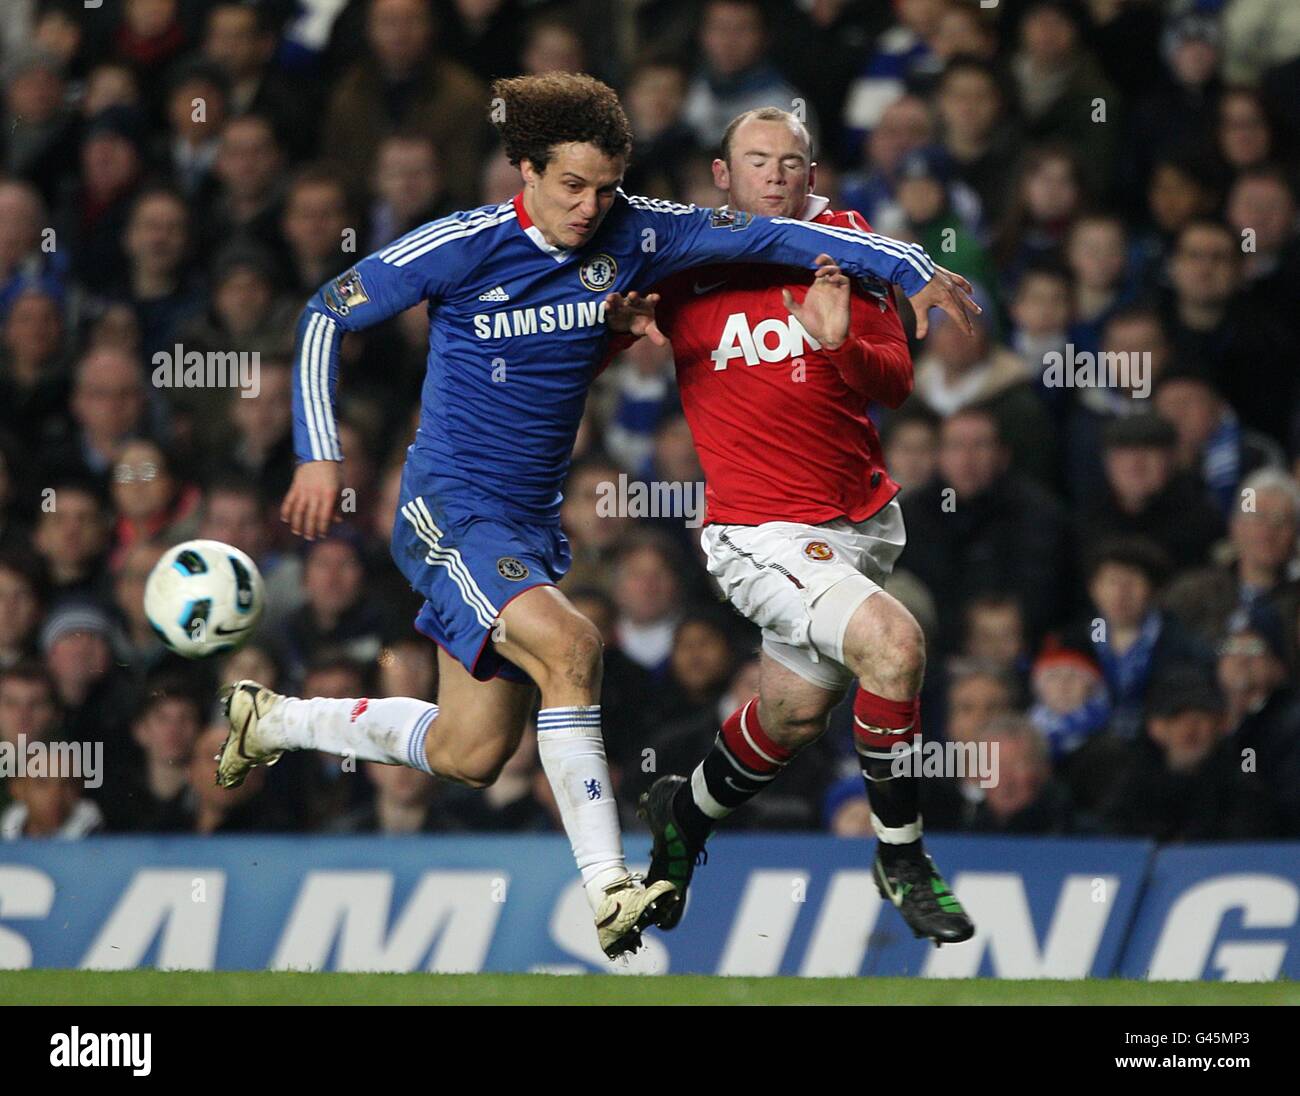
517,329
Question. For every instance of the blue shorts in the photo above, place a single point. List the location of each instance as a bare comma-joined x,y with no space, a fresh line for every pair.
469,565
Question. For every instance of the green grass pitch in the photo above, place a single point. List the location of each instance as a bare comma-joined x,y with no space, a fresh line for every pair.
145,987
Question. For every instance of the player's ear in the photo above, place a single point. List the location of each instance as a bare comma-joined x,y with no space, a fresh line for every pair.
721,175
529,172
812,176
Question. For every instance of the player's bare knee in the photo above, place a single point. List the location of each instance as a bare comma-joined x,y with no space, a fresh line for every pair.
885,648
586,657
795,734
574,659
792,722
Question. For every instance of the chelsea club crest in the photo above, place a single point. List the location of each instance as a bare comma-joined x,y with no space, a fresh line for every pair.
598,272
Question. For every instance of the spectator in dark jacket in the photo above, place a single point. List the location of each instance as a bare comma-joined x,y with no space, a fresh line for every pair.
1180,109
29,707
1260,564
1212,324
1261,209
406,801
702,662
408,187
956,371
22,598
977,133
1183,780
1213,444
402,83
337,615
109,404
241,39
98,696
93,215
664,144
1132,335
1059,85
1023,797
1128,636
248,173
245,809
1263,708
982,528
39,124
152,795
1147,496
33,376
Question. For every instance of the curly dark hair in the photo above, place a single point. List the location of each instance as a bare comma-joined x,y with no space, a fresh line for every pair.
535,113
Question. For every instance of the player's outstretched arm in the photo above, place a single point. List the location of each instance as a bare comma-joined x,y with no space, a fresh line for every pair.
687,236
417,267
949,291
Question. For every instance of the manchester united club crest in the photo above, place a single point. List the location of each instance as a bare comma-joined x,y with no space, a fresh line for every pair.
598,272
818,551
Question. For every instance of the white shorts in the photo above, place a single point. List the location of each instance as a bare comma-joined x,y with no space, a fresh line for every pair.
801,583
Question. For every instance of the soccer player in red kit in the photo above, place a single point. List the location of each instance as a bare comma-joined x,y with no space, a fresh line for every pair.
776,368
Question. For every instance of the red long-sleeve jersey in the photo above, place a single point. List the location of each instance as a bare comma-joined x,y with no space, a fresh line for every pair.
780,423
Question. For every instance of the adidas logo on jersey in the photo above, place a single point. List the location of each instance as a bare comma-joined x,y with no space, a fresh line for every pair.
497,294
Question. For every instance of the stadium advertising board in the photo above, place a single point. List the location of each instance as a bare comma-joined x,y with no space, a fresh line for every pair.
801,905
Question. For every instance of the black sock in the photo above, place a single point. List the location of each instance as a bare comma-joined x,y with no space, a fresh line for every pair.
694,821
895,800
742,762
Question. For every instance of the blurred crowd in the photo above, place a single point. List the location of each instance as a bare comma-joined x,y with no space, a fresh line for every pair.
1107,572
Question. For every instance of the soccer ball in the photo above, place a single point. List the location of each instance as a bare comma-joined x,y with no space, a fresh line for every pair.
204,598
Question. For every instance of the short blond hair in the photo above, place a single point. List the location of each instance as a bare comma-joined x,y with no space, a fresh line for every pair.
764,114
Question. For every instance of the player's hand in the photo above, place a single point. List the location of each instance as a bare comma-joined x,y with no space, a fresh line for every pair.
948,291
309,505
824,312
634,315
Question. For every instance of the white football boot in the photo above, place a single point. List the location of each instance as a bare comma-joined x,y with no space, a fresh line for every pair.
246,703
628,907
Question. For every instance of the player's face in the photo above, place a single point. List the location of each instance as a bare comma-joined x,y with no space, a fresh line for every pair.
770,172
569,200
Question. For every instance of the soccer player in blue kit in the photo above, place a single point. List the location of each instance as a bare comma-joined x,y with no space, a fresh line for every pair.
516,296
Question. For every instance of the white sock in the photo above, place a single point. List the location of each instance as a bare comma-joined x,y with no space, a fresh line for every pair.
573,755
390,729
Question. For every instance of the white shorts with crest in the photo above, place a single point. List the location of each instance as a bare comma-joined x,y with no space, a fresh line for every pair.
801,583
